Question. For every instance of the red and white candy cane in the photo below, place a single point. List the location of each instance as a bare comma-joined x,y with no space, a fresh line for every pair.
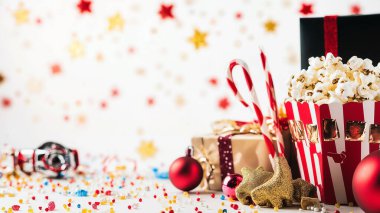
255,102
272,102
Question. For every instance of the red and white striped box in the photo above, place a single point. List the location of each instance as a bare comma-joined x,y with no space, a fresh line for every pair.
331,140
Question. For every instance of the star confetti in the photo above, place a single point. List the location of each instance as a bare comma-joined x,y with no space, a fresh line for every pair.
150,101
355,9
198,39
21,15
116,22
213,81
166,11
84,6
76,49
55,69
224,103
306,9
6,102
270,26
146,149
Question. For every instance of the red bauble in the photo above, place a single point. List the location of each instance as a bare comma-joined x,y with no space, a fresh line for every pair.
366,183
186,173
230,183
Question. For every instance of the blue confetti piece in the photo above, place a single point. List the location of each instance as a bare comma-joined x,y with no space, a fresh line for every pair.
78,206
81,193
222,197
46,183
160,175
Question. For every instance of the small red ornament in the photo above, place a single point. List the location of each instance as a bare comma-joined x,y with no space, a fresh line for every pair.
366,183
230,183
186,173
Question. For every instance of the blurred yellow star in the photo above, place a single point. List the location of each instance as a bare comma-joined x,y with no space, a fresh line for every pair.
270,26
76,49
198,39
21,15
115,22
147,149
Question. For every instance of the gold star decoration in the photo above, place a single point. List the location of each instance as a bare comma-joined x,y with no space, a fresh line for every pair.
146,149
76,49
115,22
270,26
198,39
21,15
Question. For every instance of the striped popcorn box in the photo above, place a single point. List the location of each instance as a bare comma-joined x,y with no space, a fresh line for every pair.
331,140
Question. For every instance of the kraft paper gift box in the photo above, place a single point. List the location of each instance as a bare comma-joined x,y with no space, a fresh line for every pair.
331,140
245,150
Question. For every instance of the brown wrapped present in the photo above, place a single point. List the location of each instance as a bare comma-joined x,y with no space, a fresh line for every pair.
235,145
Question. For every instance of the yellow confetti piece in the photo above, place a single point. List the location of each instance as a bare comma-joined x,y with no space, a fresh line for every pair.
76,49
30,210
198,39
20,201
116,22
146,149
337,205
222,204
21,15
251,206
123,197
10,210
112,210
256,211
270,26
220,210
275,209
231,199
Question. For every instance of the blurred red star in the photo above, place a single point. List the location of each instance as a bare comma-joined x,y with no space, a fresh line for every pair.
84,6
6,102
55,69
213,81
103,104
355,9
238,15
166,11
150,101
306,9
224,103
115,92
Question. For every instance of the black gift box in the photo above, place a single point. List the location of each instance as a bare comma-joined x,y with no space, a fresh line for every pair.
357,35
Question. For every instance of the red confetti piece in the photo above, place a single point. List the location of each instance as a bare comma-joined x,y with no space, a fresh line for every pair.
198,199
224,103
238,15
213,81
46,197
103,104
33,197
15,207
56,69
306,9
40,207
6,102
355,9
84,6
150,101
140,200
213,195
166,11
129,207
115,92
108,192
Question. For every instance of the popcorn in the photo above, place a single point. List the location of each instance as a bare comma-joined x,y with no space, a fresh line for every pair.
329,80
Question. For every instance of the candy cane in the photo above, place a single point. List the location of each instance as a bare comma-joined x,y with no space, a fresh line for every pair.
272,102
255,102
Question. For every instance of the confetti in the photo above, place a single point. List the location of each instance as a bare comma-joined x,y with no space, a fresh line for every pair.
198,39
